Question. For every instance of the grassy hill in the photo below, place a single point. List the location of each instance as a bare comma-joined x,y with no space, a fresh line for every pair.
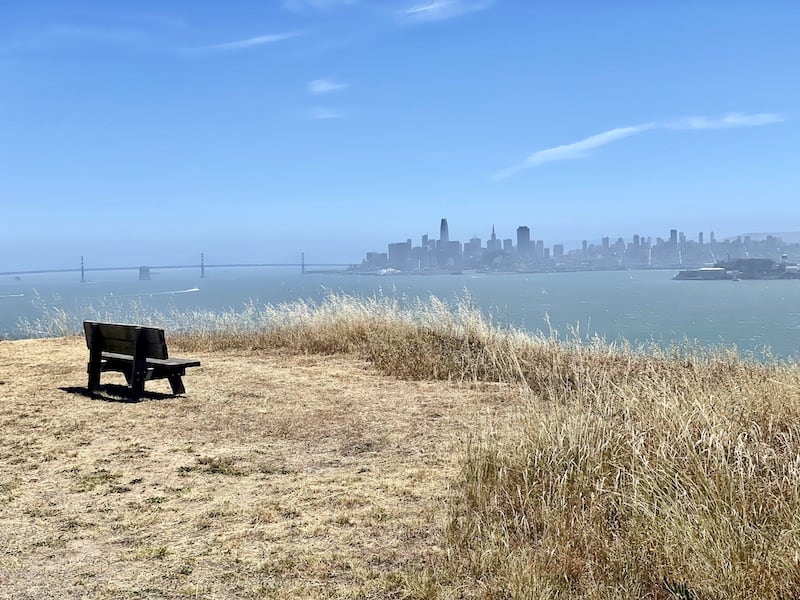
358,449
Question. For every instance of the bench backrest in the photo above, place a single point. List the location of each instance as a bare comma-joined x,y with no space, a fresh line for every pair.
123,339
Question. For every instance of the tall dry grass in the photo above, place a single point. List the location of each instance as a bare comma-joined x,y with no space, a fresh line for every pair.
631,472
632,476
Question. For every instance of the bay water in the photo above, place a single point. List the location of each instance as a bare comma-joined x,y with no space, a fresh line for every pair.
638,306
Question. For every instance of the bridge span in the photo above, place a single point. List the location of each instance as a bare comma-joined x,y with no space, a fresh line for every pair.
201,267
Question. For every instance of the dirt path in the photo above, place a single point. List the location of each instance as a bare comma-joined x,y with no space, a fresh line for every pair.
275,476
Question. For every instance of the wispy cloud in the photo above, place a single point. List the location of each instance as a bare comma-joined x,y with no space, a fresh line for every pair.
324,112
582,148
319,87
326,86
261,40
729,120
575,150
439,10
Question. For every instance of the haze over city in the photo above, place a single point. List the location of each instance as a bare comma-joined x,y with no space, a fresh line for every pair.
149,132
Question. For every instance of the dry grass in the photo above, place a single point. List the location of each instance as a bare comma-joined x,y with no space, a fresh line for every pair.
275,476
577,470
639,478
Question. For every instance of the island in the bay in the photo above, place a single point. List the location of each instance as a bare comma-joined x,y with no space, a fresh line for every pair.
741,257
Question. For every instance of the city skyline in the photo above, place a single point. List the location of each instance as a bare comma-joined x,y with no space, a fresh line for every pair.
273,128
527,253
189,256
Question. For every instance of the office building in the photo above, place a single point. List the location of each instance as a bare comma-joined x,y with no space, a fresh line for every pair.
493,244
523,241
400,255
444,234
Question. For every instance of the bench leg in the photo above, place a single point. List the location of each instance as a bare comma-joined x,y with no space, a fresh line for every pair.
137,386
95,360
94,376
177,384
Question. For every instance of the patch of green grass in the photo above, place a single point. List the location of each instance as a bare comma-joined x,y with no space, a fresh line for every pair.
100,477
148,553
220,465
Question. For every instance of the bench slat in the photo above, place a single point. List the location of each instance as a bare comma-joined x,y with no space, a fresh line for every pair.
120,338
166,362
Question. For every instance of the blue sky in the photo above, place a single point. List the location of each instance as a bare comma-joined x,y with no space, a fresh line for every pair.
148,131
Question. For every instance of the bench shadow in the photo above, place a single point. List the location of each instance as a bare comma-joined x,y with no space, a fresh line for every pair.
115,393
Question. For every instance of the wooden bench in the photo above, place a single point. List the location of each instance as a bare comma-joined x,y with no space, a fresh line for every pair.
140,353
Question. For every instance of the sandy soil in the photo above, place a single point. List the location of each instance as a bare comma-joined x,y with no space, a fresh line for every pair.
274,476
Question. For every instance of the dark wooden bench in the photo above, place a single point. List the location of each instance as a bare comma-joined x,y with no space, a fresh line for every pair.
139,353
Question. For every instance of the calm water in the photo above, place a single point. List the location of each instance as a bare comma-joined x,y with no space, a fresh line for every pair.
636,305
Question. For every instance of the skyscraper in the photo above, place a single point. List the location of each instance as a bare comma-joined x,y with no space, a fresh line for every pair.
493,243
444,234
523,241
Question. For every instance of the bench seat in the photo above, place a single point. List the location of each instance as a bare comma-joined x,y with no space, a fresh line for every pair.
153,362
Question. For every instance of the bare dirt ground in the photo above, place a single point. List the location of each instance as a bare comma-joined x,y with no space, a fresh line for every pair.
274,476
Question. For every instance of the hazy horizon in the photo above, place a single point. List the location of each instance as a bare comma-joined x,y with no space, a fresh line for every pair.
130,134
130,258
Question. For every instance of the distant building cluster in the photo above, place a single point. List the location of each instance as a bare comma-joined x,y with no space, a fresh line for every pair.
532,255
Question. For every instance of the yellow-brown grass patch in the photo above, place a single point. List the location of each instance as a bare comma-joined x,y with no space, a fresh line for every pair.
275,476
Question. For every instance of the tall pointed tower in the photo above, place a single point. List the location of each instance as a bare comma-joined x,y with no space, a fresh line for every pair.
444,234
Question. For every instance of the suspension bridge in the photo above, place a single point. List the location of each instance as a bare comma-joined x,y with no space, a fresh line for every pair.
144,270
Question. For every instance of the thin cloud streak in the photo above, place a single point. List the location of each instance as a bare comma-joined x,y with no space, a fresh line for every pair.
326,86
582,148
439,10
578,149
729,120
252,42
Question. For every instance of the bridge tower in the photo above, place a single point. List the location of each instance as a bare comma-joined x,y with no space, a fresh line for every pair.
202,266
302,263
83,272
